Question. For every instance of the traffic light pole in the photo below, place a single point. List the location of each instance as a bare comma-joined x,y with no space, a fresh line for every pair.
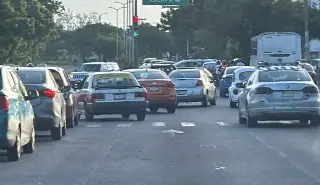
135,39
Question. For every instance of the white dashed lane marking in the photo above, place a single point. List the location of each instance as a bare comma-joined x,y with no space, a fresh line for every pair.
124,125
188,124
223,124
93,126
159,124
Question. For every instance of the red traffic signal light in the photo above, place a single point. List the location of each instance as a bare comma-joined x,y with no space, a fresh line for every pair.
135,19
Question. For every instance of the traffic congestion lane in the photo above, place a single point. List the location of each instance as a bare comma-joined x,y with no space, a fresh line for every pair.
196,145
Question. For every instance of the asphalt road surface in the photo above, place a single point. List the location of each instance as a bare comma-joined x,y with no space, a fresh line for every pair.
194,146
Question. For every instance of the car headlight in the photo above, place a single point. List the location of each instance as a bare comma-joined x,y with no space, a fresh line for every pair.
70,76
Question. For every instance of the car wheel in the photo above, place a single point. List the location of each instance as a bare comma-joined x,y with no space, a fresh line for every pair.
56,133
76,119
171,109
14,152
126,115
205,102
64,130
153,109
251,122
87,115
314,121
214,101
141,116
233,104
241,120
70,121
30,146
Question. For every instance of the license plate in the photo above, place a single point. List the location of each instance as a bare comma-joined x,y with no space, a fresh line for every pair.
119,96
287,93
181,92
154,88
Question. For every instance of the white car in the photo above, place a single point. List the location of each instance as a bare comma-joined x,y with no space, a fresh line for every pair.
240,75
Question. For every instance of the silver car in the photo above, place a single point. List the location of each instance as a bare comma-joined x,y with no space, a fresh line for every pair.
279,93
194,85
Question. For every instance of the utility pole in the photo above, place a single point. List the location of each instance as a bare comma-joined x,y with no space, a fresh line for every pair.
135,40
117,17
306,30
124,24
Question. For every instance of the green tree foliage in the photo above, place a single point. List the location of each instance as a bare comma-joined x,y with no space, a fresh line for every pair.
216,24
25,26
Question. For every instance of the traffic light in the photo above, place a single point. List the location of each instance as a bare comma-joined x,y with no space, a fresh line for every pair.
135,20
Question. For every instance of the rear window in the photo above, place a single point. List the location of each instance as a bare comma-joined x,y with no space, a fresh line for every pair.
149,75
209,65
32,77
184,74
244,76
114,80
90,68
166,69
231,70
283,75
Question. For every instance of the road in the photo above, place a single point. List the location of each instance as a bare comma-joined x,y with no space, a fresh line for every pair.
210,147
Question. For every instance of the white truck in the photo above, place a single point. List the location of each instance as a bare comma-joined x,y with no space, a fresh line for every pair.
275,48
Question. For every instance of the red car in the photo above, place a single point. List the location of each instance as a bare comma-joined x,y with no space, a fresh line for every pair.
161,91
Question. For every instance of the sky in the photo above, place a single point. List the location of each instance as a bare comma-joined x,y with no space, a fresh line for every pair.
150,13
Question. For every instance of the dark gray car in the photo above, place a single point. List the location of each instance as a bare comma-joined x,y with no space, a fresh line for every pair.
50,107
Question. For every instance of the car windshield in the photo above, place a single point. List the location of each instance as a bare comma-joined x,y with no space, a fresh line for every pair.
244,76
166,68
283,75
90,68
209,65
32,77
114,80
149,75
231,70
184,74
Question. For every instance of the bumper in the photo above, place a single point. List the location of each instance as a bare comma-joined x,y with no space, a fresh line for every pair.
131,107
44,120
284,111
234,98
191,94
162,103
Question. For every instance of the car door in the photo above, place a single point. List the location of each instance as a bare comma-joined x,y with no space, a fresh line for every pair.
244,93
71,92
19,104
208,85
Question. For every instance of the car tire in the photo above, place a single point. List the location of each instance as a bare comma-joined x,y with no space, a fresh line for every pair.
70,122
250,122
64,130
141,116
126,116
314,121
214,101
205,102
242,121
56,133
30,146
77,119
171,109
88,116
14,152
232,104
153,109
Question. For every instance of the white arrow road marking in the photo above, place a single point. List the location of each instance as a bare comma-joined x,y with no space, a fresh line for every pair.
188,124
159,124
124,125
173,131
93,126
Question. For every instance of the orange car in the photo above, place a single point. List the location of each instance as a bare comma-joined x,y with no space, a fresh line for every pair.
161,91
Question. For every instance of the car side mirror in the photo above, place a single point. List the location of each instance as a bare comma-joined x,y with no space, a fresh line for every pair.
240,85
66,89
32,94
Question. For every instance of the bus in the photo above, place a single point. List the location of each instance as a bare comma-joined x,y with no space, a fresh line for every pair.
275,48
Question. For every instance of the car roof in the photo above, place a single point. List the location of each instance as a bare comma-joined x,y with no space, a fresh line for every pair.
44,69
275,68
162,65
109,72
60,69
193,69
141,69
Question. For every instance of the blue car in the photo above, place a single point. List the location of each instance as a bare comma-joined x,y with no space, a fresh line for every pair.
16,115
226,80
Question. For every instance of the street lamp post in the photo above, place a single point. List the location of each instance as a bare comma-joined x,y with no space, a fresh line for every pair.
124,24
100,16
117,17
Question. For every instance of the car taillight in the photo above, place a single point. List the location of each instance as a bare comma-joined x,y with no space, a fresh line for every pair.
95,96
170,85
49,93
263,90
199,83
310,89
141,94
4,104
